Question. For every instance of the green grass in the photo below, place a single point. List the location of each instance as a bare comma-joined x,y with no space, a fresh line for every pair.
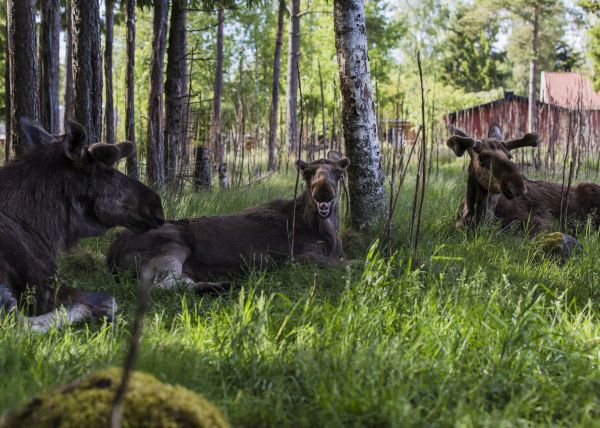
478,330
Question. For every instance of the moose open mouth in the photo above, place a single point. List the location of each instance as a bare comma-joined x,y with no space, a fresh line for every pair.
324,209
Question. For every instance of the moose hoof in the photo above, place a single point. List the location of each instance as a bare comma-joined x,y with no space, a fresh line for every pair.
560,245
7,300
212,287
102,305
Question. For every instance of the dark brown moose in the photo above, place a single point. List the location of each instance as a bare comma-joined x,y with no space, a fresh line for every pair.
60,191
497,190
197,251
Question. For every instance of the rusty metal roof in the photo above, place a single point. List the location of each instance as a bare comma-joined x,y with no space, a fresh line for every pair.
569,90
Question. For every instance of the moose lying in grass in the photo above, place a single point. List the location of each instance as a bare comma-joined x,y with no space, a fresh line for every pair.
62,190
197,251
497,190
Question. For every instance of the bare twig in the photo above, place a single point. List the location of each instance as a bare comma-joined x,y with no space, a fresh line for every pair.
116,418
297,160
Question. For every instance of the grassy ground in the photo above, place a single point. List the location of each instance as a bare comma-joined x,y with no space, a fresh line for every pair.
477,330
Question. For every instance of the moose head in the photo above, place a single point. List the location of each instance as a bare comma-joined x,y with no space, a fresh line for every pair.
322,178
88,192
491,165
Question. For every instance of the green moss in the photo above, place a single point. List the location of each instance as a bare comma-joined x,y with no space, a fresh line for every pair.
558,245
87,402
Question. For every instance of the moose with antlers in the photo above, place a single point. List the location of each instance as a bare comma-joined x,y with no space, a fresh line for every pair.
498,190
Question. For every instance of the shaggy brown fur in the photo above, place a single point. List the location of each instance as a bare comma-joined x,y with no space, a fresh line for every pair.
205,249
61,191
497,190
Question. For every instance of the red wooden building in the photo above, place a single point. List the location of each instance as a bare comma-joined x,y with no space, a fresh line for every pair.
557,127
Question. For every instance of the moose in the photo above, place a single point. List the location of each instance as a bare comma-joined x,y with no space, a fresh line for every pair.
199,251
59,191
497,190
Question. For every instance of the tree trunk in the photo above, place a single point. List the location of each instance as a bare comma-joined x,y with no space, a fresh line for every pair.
155,167
176,90
109,113
367,199
87,67
273,110
217,92
532,110
202,169
49,64
68,113
291,135
7,85
131,162
24,95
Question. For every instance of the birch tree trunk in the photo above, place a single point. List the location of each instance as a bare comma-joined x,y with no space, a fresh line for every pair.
24,95
155,167
291,135
49,64
109,112
175,90
217,93
68,113
273,109
87,67
367,199
131,164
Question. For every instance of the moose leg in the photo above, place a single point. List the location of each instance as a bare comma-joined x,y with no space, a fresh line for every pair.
321,260
7,300
167,272
164,271
84,306
57,318
211,287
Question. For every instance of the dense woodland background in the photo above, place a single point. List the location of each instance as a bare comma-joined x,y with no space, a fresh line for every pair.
222,76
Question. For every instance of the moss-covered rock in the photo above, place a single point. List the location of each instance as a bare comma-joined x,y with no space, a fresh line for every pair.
559,245
87,403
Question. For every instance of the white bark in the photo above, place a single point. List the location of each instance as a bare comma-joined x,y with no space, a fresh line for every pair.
367,199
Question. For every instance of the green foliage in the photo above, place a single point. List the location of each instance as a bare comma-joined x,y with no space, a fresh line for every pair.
592,7
566,59
594,52
478,330
472,60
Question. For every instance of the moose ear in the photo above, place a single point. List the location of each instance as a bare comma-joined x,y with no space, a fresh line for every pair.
75,140
334,155
33,133
460,144
495,132
343,163
108,154
127,148
457,131
527,140
301,165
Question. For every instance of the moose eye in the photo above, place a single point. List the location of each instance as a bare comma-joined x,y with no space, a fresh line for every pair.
484,161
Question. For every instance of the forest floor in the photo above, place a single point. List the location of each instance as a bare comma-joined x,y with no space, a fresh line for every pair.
478,329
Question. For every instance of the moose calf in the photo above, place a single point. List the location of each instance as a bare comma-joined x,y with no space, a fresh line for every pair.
62,190
497,190
205,249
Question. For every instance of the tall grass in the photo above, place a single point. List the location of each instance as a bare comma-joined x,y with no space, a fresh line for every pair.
476,329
